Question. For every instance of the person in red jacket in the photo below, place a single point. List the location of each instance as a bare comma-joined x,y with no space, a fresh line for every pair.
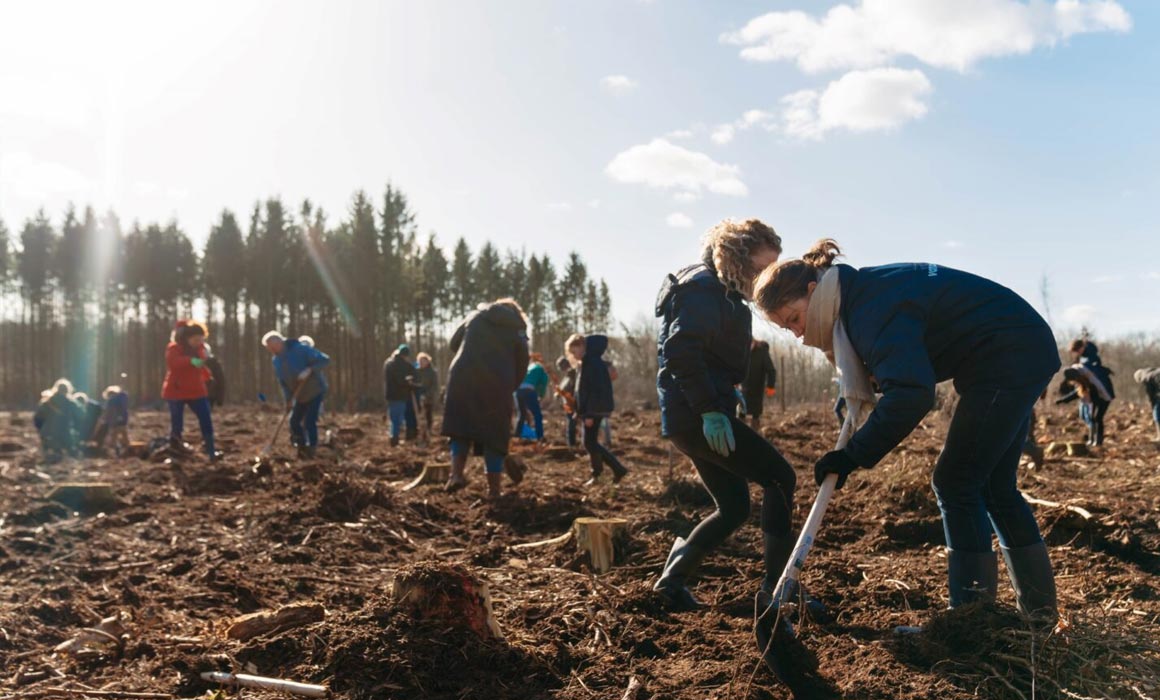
185,384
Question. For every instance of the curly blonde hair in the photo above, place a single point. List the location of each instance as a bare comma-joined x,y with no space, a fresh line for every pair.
728,247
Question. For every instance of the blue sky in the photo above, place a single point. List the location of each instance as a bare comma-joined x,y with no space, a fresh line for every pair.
1016,140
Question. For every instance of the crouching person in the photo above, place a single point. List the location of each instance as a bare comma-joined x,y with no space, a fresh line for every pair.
57,419
490,358
116,419
298,368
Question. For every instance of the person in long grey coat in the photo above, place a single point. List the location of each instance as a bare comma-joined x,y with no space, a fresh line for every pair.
490,358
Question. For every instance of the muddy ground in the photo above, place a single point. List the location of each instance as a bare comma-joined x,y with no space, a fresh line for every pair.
193,545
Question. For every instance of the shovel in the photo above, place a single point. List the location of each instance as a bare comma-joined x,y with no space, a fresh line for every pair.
789,659
278,430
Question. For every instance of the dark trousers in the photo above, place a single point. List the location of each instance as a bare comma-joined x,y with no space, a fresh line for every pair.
570,428
204,420
1096,427
975,476
411,418
727,479
529,402
304,422
598,454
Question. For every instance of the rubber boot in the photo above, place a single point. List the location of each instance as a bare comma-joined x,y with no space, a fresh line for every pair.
457,479
1030,571
777,553
971,576
673,583
494,485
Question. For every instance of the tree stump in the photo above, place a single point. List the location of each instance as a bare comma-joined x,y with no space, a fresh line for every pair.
86,499
431,474
449,594
602,539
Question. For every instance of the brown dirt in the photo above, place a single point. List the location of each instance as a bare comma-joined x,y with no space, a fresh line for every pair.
194,545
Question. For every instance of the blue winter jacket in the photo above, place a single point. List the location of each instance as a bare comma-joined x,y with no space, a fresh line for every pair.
702,347
917,324
296,357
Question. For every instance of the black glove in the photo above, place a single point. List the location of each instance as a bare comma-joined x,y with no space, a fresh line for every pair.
835,462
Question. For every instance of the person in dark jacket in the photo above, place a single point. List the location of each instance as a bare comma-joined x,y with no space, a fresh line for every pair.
1149,379
1085,353
760,381
217,382
594,401
185,385
490,358
703,352
566,391
298,369
90,429
427,391
116,419
913,325
399,385
1082,382
57,419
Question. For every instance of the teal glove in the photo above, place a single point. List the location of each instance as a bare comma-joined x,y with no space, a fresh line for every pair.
718,432
196,361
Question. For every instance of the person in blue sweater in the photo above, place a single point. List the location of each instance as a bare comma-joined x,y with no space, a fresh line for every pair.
913,325
532,391
298,369
703,351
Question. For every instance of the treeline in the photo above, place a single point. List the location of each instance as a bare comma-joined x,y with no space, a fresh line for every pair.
96,303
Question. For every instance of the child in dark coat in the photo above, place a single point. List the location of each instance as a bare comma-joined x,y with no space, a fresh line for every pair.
1149,379
57,419
910,326
594,401
116,419
490,360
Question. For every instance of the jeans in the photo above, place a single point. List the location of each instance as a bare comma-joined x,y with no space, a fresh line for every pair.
411,419
304,422
398,413
204,420
1156,413
1099,409
975,476
727,479
529,402
598,454
492,461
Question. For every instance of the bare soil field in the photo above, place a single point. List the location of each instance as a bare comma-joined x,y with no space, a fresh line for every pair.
187,546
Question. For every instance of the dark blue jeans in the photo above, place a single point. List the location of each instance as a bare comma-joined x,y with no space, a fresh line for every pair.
975,477
529,402
398,413
304,422
204,420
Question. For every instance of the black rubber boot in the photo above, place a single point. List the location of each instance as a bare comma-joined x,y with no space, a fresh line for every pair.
777,554
1030,571
971,576
673,583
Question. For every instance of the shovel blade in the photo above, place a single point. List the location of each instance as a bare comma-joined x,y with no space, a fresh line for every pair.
790,660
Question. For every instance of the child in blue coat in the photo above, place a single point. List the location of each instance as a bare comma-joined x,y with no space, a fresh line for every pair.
913,325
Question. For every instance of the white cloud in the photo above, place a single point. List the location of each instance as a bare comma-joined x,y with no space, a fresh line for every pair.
1153,275
27,177
686,197
723,134
558,206
1104,279
953,244
679,220
680,134
942,33
1079,314
870,100
594,204
663,165
618,84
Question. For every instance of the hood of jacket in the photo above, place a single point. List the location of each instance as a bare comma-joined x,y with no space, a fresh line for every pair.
595,345
503,315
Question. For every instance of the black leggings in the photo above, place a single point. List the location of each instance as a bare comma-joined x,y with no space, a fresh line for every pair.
597,453
727,479
1096,429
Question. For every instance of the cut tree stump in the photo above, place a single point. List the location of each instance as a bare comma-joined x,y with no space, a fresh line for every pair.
602,539
266,621
431,474
86,499
450,594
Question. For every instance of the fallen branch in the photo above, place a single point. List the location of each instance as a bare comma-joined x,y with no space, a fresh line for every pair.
1081,512
544,543
245,680
286,617
633,689
112,694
